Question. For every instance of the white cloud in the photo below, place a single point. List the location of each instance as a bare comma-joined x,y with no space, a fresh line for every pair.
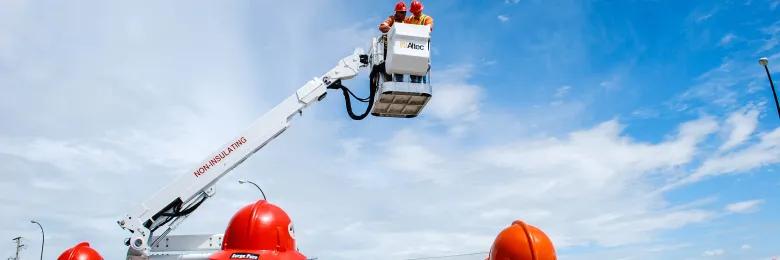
69,156
568,169
721,86
714,252
511,1
726,39
668,247
407,153
773,31
612,83
562,91
702,16
746,247
645,113
559,94
503,18
742,124
456,100
765,152
744,207
459,73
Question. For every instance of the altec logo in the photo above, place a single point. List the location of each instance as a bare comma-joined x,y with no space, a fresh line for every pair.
412,45
244,256
219,157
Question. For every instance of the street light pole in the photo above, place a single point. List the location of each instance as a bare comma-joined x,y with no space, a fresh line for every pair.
256,186
43,236
764,62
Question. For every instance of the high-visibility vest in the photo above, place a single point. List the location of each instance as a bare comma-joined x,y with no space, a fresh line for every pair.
420,21
423,17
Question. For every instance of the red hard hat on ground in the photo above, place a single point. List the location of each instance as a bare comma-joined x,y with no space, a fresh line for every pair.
417,7
520,241
400,6
260,230
82,251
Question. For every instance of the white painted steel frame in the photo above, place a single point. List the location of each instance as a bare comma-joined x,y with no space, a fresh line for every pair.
198,183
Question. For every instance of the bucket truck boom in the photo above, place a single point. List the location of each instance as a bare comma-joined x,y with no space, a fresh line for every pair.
169,206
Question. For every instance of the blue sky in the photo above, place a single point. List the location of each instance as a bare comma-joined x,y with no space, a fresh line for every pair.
625,129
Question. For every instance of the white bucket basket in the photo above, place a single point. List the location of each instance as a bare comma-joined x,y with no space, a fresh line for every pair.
408,49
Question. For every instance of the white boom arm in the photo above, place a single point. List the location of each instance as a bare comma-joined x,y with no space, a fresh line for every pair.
169,206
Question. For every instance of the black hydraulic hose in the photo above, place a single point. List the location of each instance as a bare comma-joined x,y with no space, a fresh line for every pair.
192,208
187,211
348,104
364,100
177,212
162,224
374,85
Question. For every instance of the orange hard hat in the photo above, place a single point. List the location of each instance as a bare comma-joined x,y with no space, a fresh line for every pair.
417,7
260,230
400,6
82,251
521,241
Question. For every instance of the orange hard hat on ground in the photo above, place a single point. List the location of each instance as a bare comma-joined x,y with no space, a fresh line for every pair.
521,241
82,251
260,230
400,6
417,7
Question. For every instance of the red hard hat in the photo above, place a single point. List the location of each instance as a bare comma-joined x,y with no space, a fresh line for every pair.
82,251
260,230
400,6
417,6
522,242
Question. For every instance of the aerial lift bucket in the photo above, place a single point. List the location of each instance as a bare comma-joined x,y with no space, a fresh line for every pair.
401,99
403,88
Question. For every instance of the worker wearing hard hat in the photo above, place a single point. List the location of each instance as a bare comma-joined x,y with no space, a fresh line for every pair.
398,17
418,17
384,27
